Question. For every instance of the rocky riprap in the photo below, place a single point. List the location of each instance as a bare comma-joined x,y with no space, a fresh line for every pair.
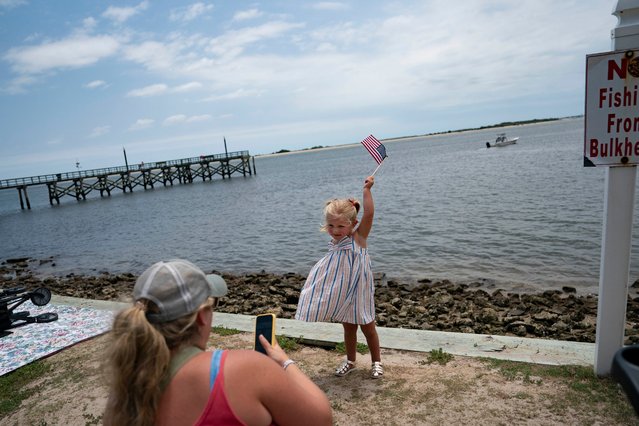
426,305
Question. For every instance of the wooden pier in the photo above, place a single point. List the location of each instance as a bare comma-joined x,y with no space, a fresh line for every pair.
125,178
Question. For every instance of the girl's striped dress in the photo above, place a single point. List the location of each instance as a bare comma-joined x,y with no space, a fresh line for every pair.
339,288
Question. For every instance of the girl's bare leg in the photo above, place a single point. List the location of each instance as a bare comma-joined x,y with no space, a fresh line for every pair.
372,340
350,340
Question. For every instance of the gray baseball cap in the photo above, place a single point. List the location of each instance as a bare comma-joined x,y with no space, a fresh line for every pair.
177,287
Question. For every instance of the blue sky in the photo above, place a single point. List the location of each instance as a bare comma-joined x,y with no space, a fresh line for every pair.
81,80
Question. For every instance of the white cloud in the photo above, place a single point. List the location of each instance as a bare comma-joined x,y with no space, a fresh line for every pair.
95,84
142,123
32,37
188,87
198,118
189,13
100,131
10,4
152,54
122,14
182,119
412,56
237,94
19,84
161,89
330,5
152,90
234,42
89,24
245,15
73,52
175,119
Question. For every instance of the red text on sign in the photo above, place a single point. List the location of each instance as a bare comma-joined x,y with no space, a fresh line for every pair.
618,98
614,148
613,67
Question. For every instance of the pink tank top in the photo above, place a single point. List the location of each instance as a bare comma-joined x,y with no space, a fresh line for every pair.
217,410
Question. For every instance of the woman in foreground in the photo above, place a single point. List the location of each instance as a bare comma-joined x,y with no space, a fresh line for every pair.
161,374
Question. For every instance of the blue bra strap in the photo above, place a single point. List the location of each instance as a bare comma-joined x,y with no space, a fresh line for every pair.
215,366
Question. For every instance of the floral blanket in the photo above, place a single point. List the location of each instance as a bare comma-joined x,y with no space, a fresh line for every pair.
30,342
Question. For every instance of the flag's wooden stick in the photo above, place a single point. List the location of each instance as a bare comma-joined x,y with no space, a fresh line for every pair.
377,168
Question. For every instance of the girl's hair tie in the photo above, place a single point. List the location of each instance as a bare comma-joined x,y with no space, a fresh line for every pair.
354,203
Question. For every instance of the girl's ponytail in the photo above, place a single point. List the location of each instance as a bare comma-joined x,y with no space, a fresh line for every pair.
355,204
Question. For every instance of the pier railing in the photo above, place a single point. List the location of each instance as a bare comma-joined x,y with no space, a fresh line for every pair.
81,183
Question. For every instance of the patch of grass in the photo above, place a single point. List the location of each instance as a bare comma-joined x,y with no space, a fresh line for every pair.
522,395
288,343
438,356
16,386
361,348
584,390
398,393
356,395
223,331
513,370
454,387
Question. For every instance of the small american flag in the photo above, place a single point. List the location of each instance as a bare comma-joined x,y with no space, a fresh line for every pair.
377,150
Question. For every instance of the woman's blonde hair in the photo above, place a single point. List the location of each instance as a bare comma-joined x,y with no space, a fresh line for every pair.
138,361
346,208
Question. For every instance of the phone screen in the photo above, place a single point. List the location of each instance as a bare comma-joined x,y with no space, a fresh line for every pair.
264,325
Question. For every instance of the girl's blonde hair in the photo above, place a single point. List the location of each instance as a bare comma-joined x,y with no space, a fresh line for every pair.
138,361
346,208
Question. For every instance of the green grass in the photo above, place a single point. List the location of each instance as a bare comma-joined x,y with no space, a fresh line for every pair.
223,331
288,343
512,370
17,386
438,356
361,348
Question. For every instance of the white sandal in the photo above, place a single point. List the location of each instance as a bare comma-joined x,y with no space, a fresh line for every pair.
377,370
345,368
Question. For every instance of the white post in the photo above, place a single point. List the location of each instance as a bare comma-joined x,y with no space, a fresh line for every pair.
619,202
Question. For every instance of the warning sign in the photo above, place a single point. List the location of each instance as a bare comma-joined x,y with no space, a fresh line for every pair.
611,136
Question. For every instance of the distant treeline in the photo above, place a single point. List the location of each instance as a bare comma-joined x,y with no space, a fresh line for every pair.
283,151
503,124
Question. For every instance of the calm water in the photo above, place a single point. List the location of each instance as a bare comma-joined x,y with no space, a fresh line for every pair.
528,215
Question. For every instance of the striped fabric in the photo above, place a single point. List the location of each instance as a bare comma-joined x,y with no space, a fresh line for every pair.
339,288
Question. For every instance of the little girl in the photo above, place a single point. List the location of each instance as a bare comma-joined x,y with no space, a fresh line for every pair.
339,288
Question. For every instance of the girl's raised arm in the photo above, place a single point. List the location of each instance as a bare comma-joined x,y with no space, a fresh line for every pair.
366,223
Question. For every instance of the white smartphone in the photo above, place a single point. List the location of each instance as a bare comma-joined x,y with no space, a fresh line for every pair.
264,325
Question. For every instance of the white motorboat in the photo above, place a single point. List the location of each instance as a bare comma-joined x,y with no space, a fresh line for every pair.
502,140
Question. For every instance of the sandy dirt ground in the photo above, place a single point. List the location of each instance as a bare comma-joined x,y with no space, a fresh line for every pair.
414,391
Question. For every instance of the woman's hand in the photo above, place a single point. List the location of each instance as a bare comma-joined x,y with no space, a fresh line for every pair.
275,352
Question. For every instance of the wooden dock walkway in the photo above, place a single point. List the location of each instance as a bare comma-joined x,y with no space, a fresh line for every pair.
80,183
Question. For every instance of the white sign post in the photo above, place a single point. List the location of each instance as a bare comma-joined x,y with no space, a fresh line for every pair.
611,139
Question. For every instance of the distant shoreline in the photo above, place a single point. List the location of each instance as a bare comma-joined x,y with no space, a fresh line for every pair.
403,138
